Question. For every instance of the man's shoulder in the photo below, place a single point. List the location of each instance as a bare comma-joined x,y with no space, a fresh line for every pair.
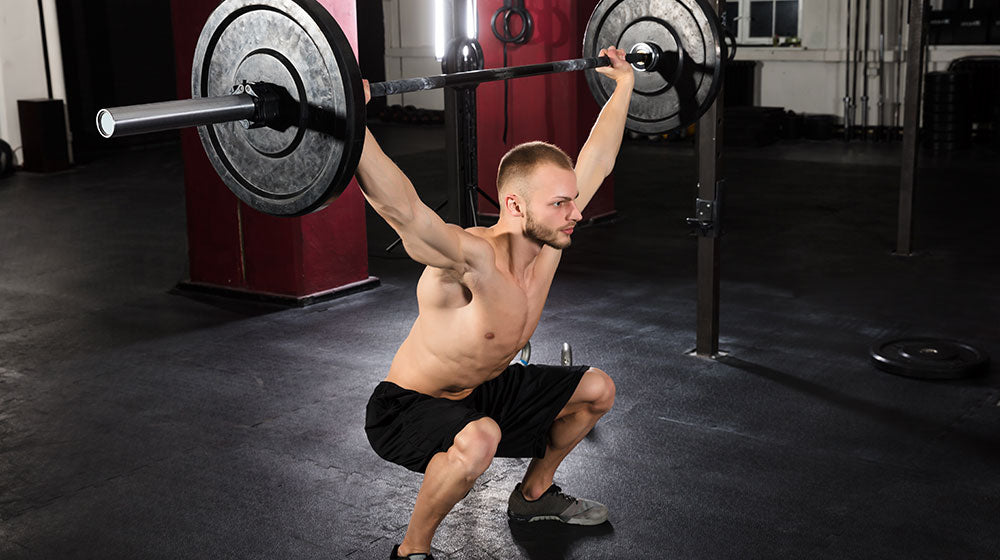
478,246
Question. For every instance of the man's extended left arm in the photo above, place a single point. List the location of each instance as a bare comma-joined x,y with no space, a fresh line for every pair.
598,155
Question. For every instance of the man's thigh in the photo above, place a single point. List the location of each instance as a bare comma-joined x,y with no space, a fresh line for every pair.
409,428
524,401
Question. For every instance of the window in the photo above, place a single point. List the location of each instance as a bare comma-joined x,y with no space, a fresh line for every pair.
762,21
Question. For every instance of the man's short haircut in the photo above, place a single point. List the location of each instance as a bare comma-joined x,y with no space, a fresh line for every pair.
523,159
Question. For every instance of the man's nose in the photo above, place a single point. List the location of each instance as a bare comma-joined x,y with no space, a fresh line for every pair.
576,216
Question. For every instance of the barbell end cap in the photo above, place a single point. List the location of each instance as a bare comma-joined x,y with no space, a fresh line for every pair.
105,123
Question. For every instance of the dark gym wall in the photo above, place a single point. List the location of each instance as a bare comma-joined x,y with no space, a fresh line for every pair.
371,46
115,52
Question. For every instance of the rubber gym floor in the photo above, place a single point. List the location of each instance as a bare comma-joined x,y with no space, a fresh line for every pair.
136,423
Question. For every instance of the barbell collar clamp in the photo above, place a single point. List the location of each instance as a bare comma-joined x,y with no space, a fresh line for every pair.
267,103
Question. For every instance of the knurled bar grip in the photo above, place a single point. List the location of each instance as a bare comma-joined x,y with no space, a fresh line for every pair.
472,77
170,115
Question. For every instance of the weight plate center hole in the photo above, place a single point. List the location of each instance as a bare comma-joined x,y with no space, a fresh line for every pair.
268,66
923,352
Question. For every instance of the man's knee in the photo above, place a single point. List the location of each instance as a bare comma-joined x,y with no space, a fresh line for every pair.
475,446
599,390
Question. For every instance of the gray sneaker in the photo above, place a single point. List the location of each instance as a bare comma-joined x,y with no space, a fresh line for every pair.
556,506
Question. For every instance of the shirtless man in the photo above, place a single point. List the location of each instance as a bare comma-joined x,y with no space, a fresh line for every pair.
451,401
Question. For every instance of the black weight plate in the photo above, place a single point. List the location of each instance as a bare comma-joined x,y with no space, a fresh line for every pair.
947,147
950,116
943,145
947,89
6,159
945,78
947,135
947,127
956,109
929,358
690,71
947,118
950,128
295,44
945,97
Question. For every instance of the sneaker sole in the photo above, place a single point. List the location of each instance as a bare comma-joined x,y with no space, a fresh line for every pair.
523,519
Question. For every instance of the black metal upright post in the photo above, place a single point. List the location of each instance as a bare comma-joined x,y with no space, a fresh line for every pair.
708,206
461,143
911,123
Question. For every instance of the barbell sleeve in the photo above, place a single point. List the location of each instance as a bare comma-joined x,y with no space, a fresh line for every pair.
169,115
474,77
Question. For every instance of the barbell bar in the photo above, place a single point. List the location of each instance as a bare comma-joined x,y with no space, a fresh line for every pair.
250,107
278,100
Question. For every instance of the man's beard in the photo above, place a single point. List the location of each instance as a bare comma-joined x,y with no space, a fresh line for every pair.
539,234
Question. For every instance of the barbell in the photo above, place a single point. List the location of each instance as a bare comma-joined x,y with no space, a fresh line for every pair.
278,101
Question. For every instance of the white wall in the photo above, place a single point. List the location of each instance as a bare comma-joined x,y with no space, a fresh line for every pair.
409,49
809,79
22,66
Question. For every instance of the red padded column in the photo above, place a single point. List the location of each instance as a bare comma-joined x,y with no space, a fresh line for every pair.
235,248
556,108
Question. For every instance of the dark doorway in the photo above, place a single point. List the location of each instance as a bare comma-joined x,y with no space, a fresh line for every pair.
371,47
115,52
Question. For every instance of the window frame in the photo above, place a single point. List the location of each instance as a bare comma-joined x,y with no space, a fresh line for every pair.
743,35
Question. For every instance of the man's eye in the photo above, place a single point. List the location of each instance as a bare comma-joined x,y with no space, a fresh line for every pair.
557,203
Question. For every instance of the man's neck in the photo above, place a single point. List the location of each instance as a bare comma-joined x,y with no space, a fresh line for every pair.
513,248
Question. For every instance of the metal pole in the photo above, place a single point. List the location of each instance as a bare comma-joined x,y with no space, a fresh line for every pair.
881,70
911,125
857,57
464,57
169,115
864,70
847,78
897,110
476,77
709,151
45,49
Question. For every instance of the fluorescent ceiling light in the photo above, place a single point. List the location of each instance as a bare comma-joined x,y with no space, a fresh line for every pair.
440,25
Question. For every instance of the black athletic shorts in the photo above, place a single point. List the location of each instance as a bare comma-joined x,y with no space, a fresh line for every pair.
409,428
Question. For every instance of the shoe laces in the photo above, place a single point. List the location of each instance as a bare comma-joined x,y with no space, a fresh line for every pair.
557,491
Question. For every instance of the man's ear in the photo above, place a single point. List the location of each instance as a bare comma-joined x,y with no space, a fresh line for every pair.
514,205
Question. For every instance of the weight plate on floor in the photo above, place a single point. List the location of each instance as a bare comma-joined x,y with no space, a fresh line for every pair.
689,74
296,44
929,358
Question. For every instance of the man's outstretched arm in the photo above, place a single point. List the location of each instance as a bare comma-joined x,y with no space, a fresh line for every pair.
426,237
598,155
